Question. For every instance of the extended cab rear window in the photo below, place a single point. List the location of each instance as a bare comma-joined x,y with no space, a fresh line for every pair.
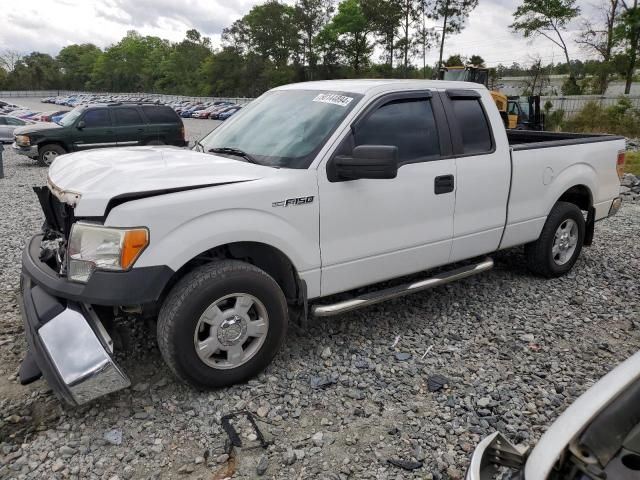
160,115
473,124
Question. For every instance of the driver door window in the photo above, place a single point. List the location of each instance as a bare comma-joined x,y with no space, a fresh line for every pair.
409,125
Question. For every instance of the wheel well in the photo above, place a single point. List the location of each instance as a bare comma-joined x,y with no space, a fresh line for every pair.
579,195
263,256
52,142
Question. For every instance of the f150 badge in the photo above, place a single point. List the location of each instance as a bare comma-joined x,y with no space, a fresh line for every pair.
293,202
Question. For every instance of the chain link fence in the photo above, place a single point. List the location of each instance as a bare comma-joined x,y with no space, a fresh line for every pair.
572,104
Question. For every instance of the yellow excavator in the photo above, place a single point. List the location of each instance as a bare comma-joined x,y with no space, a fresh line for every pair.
515,111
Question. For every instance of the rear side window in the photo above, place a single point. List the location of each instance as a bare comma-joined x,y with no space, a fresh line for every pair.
408,124
160,115
13,121
98,117
476,134
128,116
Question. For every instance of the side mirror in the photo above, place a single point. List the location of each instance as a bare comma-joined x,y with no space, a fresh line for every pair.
80,125
366,161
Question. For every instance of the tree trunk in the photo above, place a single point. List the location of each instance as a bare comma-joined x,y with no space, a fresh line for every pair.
630,69
444,32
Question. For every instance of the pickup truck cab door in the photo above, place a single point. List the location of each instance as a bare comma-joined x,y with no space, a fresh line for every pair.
483,163
376,229
93,129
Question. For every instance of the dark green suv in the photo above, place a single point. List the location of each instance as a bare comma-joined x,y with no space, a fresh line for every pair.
98,126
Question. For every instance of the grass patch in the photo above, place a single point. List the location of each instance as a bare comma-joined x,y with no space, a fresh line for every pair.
632,163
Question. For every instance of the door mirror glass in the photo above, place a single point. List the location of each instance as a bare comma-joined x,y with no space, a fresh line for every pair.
80,125
366,161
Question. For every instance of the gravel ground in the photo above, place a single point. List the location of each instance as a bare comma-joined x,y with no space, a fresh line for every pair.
517,350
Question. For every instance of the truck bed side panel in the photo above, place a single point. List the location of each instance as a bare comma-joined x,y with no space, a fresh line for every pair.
542,174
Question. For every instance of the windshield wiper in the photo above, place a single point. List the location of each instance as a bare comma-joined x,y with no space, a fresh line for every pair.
236,152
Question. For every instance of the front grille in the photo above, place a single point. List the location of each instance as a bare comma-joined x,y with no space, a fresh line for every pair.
59,218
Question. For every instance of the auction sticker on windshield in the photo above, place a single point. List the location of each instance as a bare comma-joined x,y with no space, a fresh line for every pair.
333,98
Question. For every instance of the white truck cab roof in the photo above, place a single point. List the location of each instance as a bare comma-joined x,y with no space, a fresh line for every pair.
375,85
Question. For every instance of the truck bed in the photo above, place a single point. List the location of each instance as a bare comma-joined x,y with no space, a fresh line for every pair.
527,140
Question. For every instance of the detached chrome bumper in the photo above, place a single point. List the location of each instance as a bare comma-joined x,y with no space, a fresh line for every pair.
30,151
495,450
69,346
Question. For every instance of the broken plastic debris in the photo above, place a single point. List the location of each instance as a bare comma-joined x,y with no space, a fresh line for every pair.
405,464
437,382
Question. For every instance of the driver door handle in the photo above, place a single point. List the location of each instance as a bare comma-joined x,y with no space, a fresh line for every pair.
443,184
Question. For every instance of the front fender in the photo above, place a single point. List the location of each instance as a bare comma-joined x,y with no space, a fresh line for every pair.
188,240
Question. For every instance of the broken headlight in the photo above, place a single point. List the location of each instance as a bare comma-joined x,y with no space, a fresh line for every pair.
23,140
95,247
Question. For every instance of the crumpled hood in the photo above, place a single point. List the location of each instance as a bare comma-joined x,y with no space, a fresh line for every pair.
102,174
36,127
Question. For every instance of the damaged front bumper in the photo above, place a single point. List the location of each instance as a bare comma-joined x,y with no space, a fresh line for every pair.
68,346
493,452
30,151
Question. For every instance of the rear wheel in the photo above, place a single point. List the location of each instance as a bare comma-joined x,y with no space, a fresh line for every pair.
559,245
222,324
48,153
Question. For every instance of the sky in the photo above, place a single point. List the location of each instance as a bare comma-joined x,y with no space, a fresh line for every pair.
48,25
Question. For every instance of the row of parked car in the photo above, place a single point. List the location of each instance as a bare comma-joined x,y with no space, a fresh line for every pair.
13,116
218,110
214,110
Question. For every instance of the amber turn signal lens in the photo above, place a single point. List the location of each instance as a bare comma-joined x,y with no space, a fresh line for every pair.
135,241
620,164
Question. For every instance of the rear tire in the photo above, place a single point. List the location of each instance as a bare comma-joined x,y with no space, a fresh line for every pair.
48,153
560,242
222,324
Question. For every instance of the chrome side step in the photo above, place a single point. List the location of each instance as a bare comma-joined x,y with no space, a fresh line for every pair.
401,290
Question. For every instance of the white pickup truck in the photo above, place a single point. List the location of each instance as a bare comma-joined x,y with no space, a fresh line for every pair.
313,189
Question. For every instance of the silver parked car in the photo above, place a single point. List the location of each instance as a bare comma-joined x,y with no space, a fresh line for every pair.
8,124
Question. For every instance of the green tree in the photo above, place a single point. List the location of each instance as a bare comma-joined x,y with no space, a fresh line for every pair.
349,31
628,32
181,65
453,14
311,17
76,63
600,39
476,60
384,16
270,30
131,65
35,71
454,61
409,15
547,18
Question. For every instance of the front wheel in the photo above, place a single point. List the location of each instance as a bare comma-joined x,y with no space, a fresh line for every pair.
48,153
559,245
222,324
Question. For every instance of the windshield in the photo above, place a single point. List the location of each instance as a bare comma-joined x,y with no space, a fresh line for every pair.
284,128
70,118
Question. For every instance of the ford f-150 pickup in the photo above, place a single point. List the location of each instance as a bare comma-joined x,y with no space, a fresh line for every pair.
313,189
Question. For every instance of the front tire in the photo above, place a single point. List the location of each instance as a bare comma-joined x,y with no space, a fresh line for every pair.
48,153
222,324
559,245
